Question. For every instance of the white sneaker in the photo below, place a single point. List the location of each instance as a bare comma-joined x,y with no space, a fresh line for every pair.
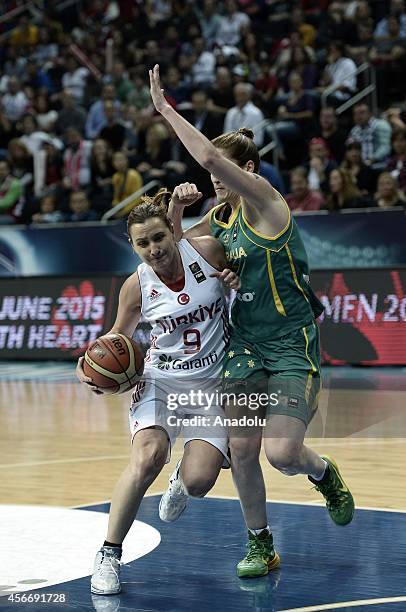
106,572
174,500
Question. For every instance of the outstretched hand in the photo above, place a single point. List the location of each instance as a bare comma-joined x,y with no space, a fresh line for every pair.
157,94
229,278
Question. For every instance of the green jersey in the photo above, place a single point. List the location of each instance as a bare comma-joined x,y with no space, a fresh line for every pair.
275,297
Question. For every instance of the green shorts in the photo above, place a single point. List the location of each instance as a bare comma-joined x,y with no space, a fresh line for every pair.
287,369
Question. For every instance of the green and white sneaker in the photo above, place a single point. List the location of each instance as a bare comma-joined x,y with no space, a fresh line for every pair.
261,557
339,501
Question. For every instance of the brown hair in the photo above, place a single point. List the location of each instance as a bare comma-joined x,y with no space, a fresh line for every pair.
239,146
349,190
156,206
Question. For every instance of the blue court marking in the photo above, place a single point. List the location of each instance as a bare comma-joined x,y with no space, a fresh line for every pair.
193,569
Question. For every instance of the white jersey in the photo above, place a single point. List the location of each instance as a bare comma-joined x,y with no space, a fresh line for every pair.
190,326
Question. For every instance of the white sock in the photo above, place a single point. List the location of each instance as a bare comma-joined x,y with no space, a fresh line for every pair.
258,531
324,471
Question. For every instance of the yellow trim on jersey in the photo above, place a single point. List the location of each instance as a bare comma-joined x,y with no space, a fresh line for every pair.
231,220
261,246
314,369
277,299
254,231
292,265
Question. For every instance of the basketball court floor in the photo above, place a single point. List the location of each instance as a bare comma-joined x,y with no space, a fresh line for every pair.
62,450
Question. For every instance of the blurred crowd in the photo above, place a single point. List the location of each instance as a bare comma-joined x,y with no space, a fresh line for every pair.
78,133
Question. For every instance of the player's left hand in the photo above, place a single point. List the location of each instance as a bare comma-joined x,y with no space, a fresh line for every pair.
157,94
229,278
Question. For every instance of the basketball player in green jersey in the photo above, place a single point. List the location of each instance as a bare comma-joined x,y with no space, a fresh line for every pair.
274,334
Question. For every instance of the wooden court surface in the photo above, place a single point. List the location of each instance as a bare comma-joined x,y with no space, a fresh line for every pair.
60,445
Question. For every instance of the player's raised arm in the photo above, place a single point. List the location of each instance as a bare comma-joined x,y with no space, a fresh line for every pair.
259,196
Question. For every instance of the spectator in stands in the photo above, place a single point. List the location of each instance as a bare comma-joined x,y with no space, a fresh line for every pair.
373,134
96,119
21,163
15,102
48,169
126,181
102,170
46,50
343,191
340,73
296,116
397,8
25,34
320,165
388,193
302,62
211,125
48,212
245,113
397,164
250,55
204,64
301,196
221,94
76,160
10,194
175,89
7,132
36,77
46,117
231,24
336,26
74,78
80,208
152,162
266,85
171,43
396,118
207,122
32,136
306,30
122,84
389,58
362,175
70,115
113,132
139,96
209,21
360,49
333,135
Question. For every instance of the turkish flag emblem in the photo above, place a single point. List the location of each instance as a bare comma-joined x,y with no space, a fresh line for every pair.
183,299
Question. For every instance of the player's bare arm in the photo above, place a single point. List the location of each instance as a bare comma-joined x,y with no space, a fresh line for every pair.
128,315
212,250
262,205
183,195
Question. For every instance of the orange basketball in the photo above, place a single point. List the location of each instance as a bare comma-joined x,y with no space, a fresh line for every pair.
114,362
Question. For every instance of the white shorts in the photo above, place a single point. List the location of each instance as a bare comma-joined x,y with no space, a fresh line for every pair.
173,405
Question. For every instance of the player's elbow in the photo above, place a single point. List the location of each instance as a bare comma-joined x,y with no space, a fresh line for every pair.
210,158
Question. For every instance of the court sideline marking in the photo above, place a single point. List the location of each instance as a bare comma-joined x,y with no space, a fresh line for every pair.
347,604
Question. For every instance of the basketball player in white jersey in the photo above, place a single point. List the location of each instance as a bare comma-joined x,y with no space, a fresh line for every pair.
177,290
